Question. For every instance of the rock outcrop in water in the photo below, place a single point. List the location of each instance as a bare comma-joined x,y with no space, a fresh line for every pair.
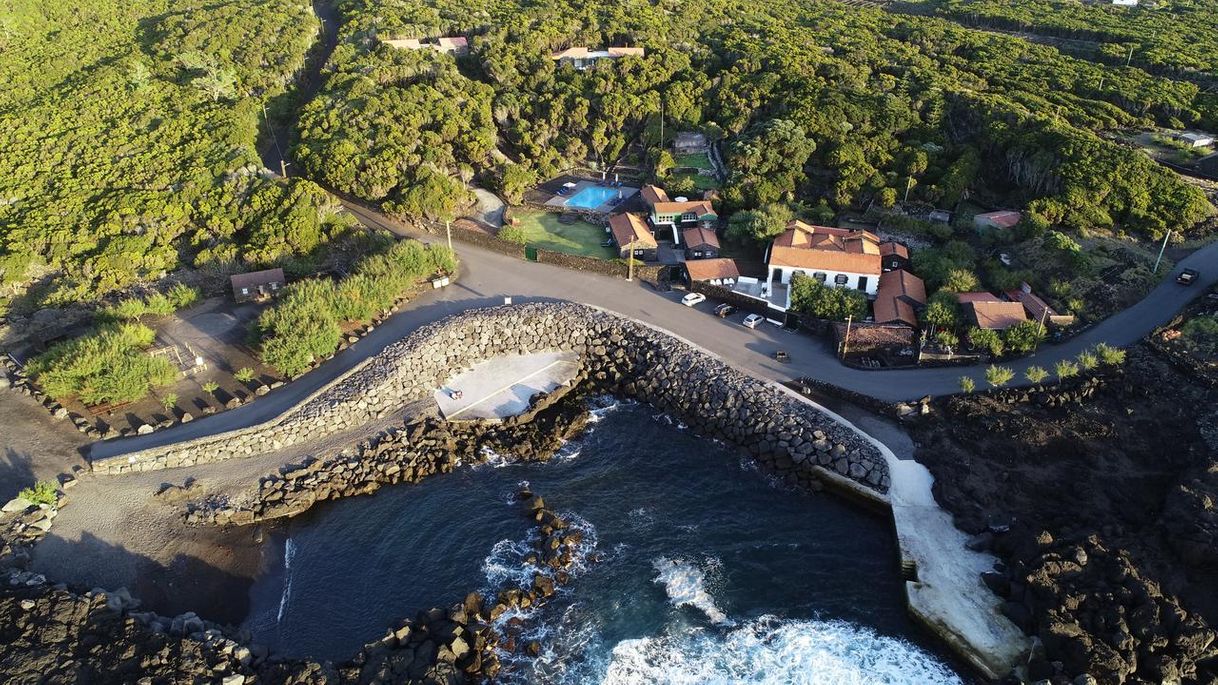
618,356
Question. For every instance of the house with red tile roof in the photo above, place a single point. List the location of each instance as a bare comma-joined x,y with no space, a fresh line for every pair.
895,256
1001,221
717,271
994,315
837,257
632,236
899,298
700,243
1037,308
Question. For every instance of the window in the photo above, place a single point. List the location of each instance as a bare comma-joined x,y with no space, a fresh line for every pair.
638,253
697,254
245,291
862,282
841,279
689,216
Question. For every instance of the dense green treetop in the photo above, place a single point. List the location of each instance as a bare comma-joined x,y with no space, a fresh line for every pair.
128,131
815,100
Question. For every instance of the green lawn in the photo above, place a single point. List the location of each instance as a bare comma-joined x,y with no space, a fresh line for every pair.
699,160
542,229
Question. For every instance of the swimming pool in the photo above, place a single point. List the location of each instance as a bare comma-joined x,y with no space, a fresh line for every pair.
591,197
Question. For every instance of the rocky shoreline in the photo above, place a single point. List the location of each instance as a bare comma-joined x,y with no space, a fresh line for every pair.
55,634
1098,497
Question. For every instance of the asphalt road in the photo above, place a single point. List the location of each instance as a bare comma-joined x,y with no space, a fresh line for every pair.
487,277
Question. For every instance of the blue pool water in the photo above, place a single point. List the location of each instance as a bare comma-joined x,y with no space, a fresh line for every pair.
592,197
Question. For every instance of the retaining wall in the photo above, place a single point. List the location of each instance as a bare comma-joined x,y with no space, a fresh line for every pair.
618,356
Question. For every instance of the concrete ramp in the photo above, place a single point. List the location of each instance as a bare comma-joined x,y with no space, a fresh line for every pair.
501,387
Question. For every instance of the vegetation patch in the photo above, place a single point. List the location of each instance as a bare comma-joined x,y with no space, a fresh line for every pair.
305,324
108,365
544,230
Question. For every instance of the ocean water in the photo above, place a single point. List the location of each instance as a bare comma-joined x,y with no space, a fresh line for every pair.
695,568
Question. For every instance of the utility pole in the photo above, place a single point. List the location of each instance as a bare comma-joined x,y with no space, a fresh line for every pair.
1162,249
908,185
283,166
630,259
846,340
448,231
1130,57
661,124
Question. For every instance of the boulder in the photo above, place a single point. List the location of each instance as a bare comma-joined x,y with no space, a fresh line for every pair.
16,504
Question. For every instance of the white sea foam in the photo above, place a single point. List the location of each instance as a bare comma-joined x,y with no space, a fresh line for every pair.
289,551
600,407
771,650
685,584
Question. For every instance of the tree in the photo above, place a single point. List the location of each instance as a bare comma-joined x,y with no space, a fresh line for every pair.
961,281
810,296
759,225
985,339
942,311
1023,337
998,376
947,340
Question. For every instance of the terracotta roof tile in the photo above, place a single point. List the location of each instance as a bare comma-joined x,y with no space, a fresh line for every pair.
997,316
711,269
631,227
697,237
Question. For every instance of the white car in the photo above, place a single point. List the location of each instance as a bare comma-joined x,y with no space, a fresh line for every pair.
693,299
752,320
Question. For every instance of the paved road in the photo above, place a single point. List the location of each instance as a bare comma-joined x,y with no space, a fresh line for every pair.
487,277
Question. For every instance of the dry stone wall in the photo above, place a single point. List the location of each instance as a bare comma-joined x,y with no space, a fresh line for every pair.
618,356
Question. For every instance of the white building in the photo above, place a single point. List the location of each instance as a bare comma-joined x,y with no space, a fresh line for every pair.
837,257
1197,139
583,58
1125,3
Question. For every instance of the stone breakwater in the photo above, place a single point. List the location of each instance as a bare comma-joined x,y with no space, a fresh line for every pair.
423,447
618,356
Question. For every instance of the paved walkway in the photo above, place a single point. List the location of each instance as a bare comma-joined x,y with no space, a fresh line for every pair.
502,387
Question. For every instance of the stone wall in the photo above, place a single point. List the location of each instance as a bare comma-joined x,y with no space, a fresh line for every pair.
619,356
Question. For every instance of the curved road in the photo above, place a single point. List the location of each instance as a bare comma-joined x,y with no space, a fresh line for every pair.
487,277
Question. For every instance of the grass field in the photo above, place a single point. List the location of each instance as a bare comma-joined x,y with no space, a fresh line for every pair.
542,229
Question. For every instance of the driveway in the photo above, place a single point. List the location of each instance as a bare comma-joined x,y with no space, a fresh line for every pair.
486,278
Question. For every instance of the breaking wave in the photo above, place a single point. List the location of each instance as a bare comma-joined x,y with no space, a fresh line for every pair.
685,584
771,650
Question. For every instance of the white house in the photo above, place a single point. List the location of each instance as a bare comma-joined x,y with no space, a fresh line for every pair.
1197,139
837,257
584,58
1125,3
675,215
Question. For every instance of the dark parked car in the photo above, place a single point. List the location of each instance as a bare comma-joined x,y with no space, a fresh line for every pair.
1188,277
724,310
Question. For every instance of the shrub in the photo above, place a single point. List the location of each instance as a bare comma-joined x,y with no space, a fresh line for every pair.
244,374
1036,374
968,385
210,386
998,376
1200,334
1112,356
43,492
108,365
304,324
513,234
156,304
987,340
169,401
1065,369
1023,337
1088,360
947,339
